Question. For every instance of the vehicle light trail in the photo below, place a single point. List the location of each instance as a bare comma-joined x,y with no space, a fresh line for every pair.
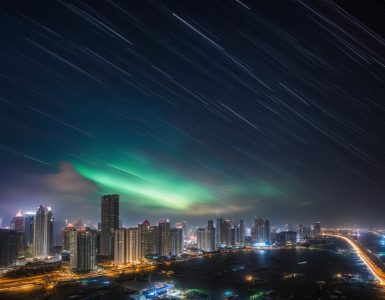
376,266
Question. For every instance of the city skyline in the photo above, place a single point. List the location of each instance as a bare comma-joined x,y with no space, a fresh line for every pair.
82,258
206,150
95,224
30,239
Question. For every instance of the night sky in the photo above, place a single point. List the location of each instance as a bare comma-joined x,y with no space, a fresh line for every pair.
194,109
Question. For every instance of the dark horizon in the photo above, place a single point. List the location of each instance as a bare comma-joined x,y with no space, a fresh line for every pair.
191,111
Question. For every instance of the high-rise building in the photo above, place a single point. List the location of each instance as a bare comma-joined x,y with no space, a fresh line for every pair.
317,229
182,225
210,224
233,233
109,223
240,233
120,247
134,253
256,230
206,238
65,237
18,222
148,239
43,232
261,231
176,241
28,228
18,226
266,231
127,247
164,238
225,236
82,244
303,233
285,238
8,247
218,226
98,239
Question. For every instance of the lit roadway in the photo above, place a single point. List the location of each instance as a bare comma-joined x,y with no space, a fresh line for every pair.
38,281
374,264
35,282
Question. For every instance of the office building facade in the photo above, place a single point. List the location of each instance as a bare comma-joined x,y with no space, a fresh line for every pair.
176,242
43,232
225,234
317,229
65,237
8,247
18,226
82,245
206,239
148,239
164,238
261,231
127,248
109,223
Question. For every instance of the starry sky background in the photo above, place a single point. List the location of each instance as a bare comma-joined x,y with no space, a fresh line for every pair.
194,109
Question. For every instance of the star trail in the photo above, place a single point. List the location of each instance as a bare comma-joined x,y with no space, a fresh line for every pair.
194,108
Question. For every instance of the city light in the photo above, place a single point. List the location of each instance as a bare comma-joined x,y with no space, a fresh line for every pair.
226,150
375,267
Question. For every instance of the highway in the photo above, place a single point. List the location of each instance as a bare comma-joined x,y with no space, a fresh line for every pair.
374,264
35,282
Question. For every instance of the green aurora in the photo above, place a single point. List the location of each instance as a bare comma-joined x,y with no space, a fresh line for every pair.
143,185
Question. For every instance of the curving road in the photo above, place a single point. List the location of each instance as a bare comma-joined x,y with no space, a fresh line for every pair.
374,264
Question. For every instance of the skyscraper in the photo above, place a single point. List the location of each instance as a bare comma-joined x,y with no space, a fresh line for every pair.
206,238
82,244
43,232
18,222
164,238
184,229
176,241
285,238
240,233
127,247
233,235
223,232
225,235
18,226
109,222
65,236
148,239
218,226
29,218
261,231
266,231
120,247
134,253
210,224
303,233
317,229
8,247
